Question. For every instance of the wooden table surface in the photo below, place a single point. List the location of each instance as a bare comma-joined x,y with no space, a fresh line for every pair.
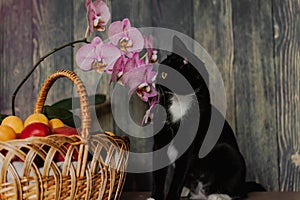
252,196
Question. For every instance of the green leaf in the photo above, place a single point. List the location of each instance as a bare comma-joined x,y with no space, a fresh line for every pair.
67,103
2,116
63,114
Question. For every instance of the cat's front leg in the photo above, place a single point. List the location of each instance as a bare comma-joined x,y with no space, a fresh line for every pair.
158,187
159,176
181,169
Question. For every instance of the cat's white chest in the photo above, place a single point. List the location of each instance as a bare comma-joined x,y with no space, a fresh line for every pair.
180,105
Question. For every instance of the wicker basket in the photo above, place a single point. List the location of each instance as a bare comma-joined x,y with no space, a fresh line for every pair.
96,175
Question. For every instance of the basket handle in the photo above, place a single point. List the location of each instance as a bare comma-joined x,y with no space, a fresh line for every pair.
83,97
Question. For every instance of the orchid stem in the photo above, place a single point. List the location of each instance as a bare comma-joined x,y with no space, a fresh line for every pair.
86,35
37,64
144,56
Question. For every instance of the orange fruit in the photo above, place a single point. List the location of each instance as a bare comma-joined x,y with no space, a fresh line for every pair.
55,123
14,122
7,133
36,118
109,133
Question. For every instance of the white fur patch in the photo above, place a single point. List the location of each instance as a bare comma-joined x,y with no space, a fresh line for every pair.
172,153
180,105
219,197
185,192
150,198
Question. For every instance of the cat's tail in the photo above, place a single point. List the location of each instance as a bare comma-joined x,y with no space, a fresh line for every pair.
252,187
248,187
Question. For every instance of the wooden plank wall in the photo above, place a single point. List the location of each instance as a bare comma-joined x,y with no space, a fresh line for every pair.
254,43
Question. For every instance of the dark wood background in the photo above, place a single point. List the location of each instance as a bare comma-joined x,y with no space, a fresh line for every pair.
255,44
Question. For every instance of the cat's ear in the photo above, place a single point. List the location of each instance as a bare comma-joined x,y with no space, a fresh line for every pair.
179,47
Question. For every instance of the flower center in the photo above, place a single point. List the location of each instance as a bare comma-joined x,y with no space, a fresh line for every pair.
99,65
98,21
125,43
154,56
144,87
119,75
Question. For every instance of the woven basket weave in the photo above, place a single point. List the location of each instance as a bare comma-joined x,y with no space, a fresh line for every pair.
98,173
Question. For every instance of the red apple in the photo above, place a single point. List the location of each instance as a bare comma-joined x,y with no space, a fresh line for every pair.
59,158
68,131
35,130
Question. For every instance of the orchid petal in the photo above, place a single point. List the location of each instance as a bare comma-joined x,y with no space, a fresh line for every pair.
115,32
140,78
134,77
137,40
149,115
85,57
102,10
118,67
110,54
129,39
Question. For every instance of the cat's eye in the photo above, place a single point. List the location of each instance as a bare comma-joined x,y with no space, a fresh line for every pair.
164,75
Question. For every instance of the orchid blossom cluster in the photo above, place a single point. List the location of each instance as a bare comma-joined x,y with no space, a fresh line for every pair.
120,56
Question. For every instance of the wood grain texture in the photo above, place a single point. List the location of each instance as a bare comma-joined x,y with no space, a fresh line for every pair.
255,90
213,30
15,55
173,14
52,27
287,58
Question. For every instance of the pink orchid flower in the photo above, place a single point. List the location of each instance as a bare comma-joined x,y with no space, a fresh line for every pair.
141,80
128,39
97,55
133,62
151,53
118,69
97,14
123,65
149,115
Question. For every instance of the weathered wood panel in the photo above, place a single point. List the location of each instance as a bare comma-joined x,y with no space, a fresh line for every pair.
52,27
213,30
173,14
15,55
254,77
287,64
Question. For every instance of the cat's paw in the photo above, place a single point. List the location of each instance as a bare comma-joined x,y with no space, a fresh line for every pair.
150,198
219,197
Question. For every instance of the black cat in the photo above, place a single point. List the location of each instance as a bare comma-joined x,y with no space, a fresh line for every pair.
222,171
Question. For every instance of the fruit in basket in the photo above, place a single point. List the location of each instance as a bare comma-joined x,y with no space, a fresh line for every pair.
55,123
36,118
68,131
7,133
35,130
59,158
14,122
